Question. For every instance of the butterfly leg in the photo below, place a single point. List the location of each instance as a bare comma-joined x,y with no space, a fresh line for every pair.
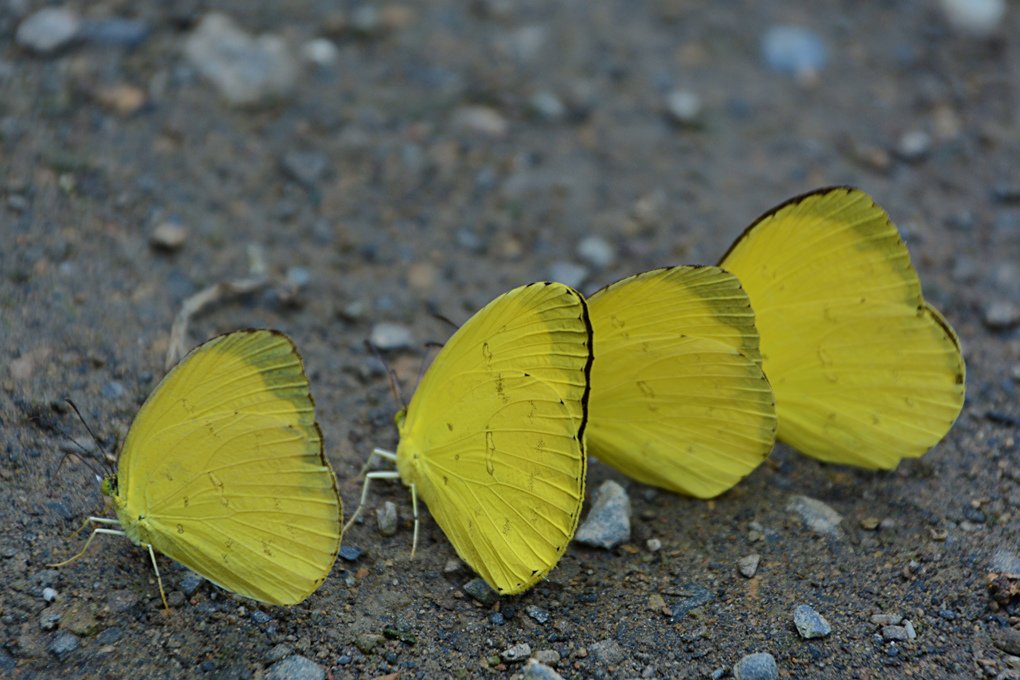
383,474
159,580
414,509
377,453
98,530
92,520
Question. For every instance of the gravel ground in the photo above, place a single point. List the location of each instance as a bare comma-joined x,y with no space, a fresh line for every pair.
381,163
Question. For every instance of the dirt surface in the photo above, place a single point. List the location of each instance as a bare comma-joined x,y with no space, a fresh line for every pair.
373,195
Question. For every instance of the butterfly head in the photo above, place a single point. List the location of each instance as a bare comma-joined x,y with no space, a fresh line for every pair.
398,419
109,485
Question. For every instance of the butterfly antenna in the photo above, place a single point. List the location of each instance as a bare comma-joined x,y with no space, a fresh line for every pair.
99,445
446,320
390,375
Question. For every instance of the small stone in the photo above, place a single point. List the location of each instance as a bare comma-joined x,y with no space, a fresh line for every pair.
911,633
168,236
390,336
656,603
568,273
453,566
122,99
886,619
816,515
320,52
795,51
547,106
759,666
913,145
547,656
278,652
245,70
49,594
190,583
295,668
870,523
979,18
114,32
684,108
306,168
48,30
350,553
608,652
895,633
810,624
63,645
49,620
596,251
536,670
113,390
387,518
1005,562
110,636
748,565
1002,315
697,595
298,278
480,120
537,613
1007,639
608,522
175,599
480,590
497,618
518,652
653,545
366,642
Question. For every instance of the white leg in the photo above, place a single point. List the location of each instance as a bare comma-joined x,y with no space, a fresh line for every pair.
414,509
159,580
111,532
93,520
377,453
387,474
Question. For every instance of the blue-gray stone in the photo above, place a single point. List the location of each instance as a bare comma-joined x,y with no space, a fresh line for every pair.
110,636
608,521
760,666
537,613
48,30
190,583
697,596
810,624
794,50
480,590
296,668
63,644
539,671
114,32
349,553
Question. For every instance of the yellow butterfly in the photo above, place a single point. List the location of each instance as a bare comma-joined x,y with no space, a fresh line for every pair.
223,470
865,371
493,439
678,396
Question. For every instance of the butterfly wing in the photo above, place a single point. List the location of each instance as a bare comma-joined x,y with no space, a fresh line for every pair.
493,437
865,372
678,396
223,470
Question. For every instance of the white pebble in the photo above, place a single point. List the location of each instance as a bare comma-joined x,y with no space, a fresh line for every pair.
320,52
49,594
596,251
654,544
979,18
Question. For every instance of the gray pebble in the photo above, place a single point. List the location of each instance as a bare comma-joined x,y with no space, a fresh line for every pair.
480,120
114,32
190,583
175,599
298,277
547,656
795,51
168,236
539,671
697,595
278,653
295,668
979,18
548,106
244,69
63,644
113,390
684,107
320,52
518,652
760,666
810,624
596,251
50,620
49,594
305,167
897,633
1002,315
886,619
911,633
387,518
653,545
388,336
1007,639
568,273
748,566
913,145
608,652
45,578
453,566
48,30
480,590
1005,561
608,522
817,516
537,613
